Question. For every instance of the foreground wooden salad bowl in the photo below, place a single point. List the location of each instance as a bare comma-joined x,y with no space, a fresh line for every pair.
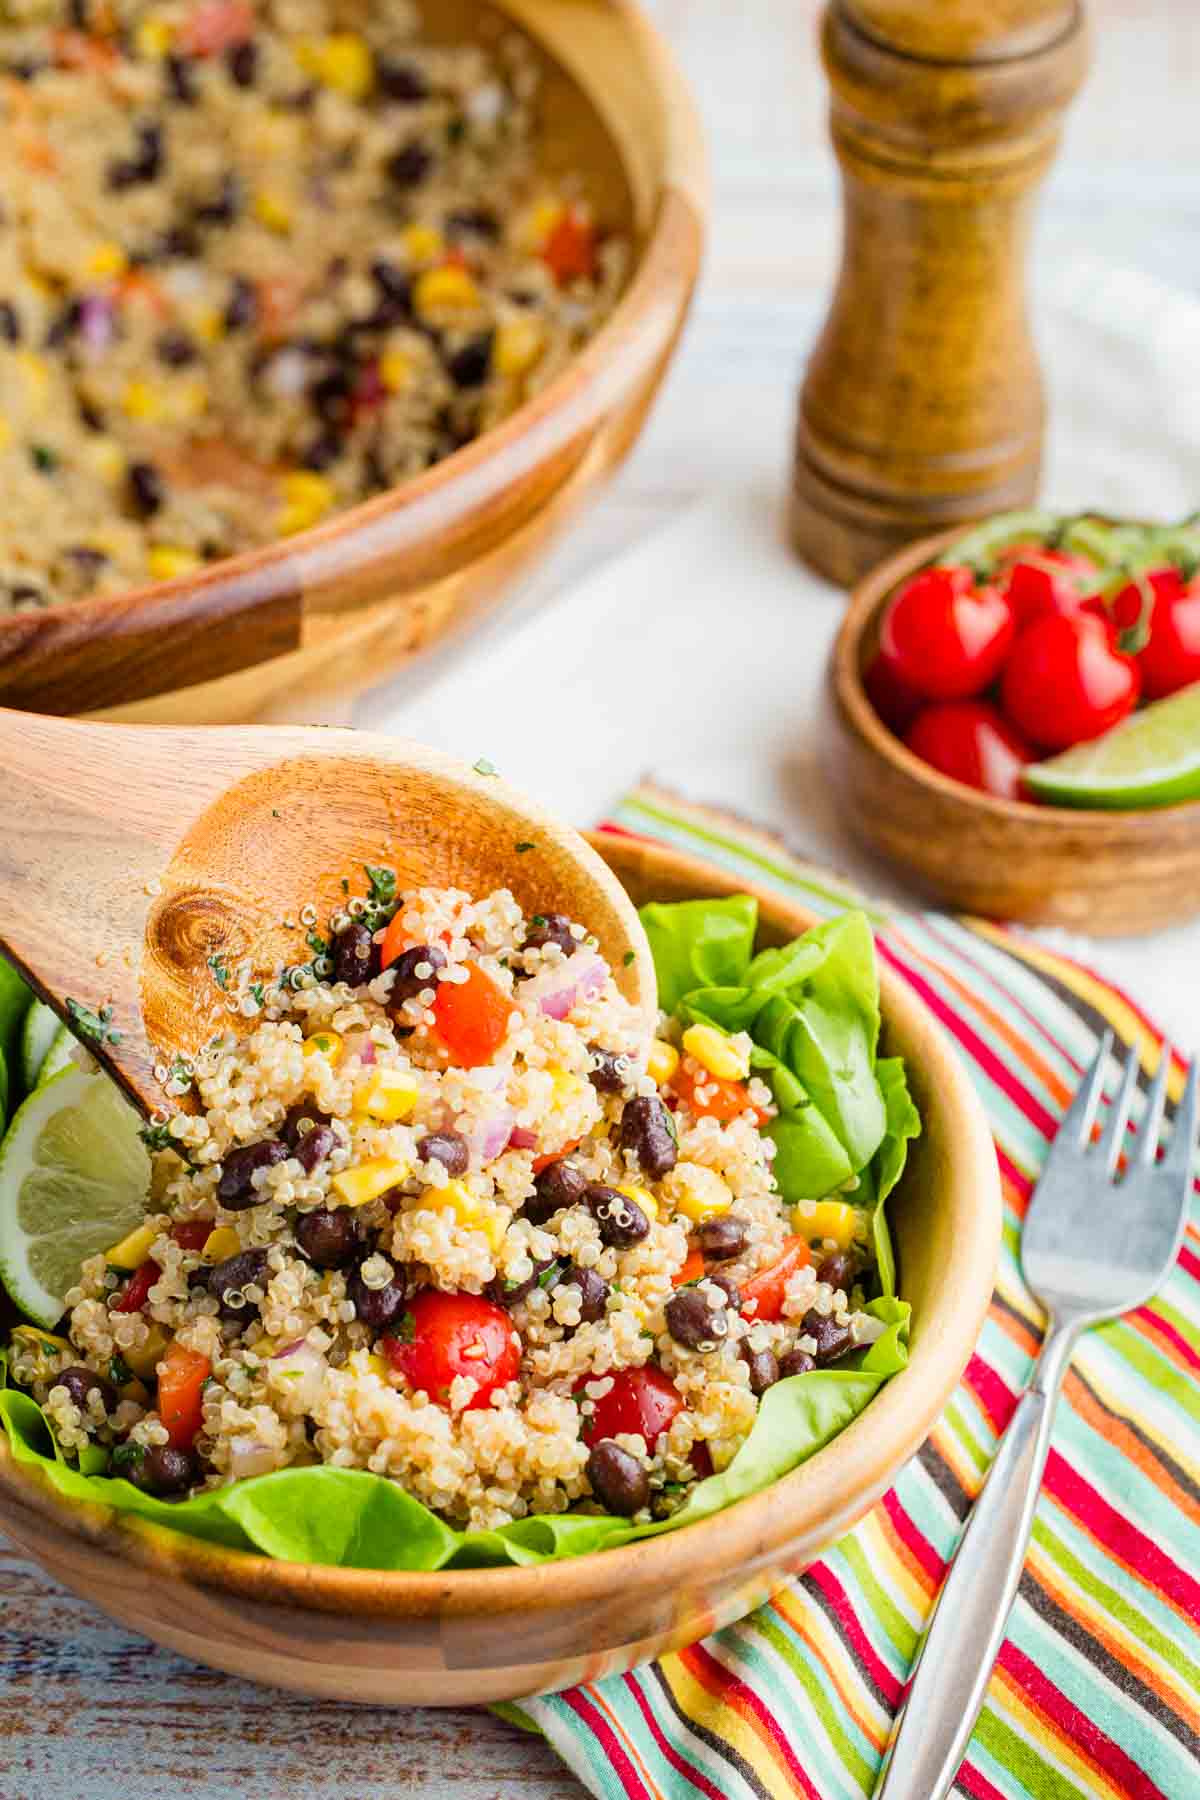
346,603
1107,873
462,1637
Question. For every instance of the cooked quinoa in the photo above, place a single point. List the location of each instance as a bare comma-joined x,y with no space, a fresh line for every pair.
445,1212
260,259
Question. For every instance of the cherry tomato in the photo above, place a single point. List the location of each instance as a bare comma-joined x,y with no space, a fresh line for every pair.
1066,681
1048,581
215,26
1170,659
456,1334
722,1099
551,1156
642,1401
972,741
192,1234
471,1017
180,1393
570,248
943,636
896,703
142,1280
762,1295
691,1269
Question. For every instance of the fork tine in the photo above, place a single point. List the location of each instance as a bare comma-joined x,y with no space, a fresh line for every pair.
1183,1138
1077,1121
1151,1120
1113,1139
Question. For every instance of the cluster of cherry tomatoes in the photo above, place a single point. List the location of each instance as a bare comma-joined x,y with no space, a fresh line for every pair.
989,662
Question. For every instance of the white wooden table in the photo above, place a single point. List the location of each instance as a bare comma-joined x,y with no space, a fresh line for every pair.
85,1707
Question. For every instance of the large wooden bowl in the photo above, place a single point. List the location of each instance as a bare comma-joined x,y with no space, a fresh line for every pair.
346,603
491,1634
1106,873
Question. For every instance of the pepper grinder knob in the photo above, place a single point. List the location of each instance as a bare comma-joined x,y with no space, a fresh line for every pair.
922,403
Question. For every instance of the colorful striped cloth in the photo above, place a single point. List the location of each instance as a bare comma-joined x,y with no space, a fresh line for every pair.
1097,1691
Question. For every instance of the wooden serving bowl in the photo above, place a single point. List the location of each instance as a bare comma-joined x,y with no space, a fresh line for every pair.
346,603
1110,874
455,1638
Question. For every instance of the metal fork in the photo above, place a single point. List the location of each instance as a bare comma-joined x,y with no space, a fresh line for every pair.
1094,1246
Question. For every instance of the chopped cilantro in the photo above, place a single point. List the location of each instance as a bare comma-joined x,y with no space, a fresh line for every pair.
537,921
157,1137
523,847
484,767
94,1025
628,957
220,969
548,1277
275,813
258,993
119,1371
406,1331
126,1454
382,899
316,943
45,460
179,1074
345,885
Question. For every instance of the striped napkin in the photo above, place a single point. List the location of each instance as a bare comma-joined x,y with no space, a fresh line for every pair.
1097,1690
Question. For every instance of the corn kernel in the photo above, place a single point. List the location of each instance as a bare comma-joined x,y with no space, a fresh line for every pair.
701,1194
106,457
221,1244
273,211
518,345
390,1094
539,222
717,1053
344,62
145,1358
208,324
662,1061
166,561
470,1211
817,1220
142,401
105,262
189,399
446,289
152,39
567,1087
37,1339
307,498
422,243
395,370
35,375
324,1043
640,1196
370,1179
377,1365
133,1250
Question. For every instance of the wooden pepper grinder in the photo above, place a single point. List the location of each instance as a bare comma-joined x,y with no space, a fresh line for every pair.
922,403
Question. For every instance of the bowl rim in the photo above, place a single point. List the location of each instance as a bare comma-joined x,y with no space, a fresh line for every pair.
660,284
867,600
826,1494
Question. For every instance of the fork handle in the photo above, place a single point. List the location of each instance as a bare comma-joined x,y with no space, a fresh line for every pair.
967,1627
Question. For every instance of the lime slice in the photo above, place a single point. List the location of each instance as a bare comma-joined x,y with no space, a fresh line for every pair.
39,1031
74,1178
61,1055
1152,759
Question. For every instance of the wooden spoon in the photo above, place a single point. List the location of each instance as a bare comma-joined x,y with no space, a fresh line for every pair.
132,857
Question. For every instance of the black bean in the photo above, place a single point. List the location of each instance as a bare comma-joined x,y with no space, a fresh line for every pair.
378,1308
314,1147
77,14
468,366
10,324
239,1271
609,1072
693,1322
649,1131
329,1237
146,163
176,349
838,1270
25,68
80,1382
241,309
355,955
299,1122
222,209
400,80
415,970
181,81
559,1184
409,166
593,1291
63,326
323,452
160,1470
235,1188
795,1362
551,928
833,1340
721,1238
478,221
330,397
392,282
447,1147
620,1219
242,63
764,1369
88,560
729,1287
147,488
506,1293
618,1479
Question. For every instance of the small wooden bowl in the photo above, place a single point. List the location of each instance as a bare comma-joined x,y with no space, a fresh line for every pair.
463,1637
1110,874
348,602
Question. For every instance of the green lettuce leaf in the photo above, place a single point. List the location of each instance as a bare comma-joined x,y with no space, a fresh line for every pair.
700,943
887,1165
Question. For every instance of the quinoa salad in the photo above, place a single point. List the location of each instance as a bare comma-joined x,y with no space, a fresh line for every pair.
259,260
446,1214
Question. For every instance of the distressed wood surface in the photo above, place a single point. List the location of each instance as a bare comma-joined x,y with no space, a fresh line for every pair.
89,1709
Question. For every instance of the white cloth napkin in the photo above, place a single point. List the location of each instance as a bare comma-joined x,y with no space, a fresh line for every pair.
698,656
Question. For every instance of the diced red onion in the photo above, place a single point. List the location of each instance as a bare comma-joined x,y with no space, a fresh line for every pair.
523,1139
488,1139
248,1457
558,990
96,322
362,1045
297,1372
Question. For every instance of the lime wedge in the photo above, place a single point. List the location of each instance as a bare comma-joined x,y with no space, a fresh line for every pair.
39,1031
74,1178
61,1055
1152,759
